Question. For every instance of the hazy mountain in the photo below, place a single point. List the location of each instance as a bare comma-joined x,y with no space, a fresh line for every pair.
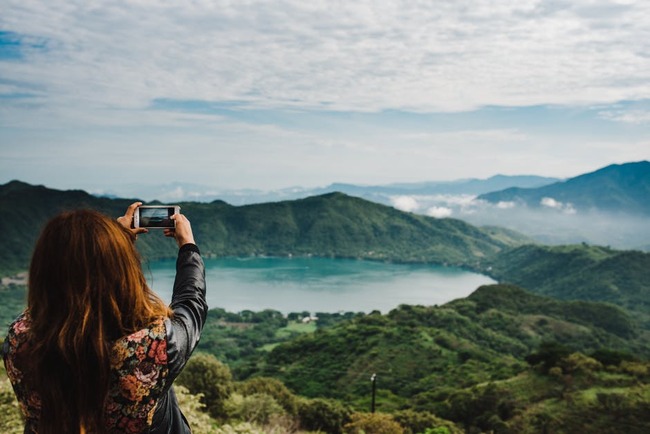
463,186
618,188
178,191
333,225
606,207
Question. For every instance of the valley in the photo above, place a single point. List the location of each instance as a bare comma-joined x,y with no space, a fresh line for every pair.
560,343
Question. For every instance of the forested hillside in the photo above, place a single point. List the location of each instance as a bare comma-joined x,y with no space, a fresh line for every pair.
332,225
422,349
579,272
501,360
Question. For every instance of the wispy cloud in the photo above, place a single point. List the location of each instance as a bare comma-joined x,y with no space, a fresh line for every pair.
364,91
360,56
627,116
550,202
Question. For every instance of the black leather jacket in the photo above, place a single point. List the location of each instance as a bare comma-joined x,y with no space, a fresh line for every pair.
183,333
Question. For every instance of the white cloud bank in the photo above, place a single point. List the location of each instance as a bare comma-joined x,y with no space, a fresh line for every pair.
405,203
549,202
360,56
439,212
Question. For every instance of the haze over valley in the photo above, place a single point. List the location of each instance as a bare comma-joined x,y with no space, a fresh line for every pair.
610,210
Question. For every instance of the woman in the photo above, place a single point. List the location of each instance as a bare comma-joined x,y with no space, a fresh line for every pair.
96,351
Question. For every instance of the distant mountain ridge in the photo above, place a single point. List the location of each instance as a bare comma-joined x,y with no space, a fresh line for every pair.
337,225
379,193
462,186
330,225
618,188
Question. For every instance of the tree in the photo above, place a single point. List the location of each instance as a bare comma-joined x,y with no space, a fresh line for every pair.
548,355
258,408
272,387
415,422
193,409
206,375
324,415
372,423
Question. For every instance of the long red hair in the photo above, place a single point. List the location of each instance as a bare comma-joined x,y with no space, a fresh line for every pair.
86,289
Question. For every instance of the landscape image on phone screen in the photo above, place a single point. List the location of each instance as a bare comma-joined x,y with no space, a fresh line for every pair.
156,217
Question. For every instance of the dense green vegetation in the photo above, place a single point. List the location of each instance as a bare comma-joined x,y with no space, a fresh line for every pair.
579,272
502,360
421,351
13,299
332,225
242,339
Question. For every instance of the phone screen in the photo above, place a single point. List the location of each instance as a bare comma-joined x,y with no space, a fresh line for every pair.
158,217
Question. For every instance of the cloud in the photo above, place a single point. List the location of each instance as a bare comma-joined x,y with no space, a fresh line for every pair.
439,212
356,56
549,202
405,203
291,92
637,117
505,205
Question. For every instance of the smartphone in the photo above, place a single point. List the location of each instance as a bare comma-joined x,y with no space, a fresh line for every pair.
155,216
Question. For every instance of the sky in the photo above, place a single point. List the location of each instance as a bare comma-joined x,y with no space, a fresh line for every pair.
272,94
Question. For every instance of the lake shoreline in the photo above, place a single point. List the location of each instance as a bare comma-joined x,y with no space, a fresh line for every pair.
316,284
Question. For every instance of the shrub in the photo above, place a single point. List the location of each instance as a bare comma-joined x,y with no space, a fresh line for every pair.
200,422
372,423
578,363
415,422
548,355
324,415
258,408
271,387
206,375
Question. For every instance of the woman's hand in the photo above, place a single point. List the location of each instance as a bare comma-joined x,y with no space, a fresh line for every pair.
127,219
182,232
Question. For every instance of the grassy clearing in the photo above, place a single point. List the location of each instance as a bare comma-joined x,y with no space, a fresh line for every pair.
295,327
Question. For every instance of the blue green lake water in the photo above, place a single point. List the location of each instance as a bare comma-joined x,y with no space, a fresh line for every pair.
320,284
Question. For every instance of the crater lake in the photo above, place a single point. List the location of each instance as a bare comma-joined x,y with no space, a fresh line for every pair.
320,284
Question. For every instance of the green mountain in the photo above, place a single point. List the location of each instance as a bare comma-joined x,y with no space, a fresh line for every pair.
420,353
336,225
618,188
501,360
579,272
26,208
333,225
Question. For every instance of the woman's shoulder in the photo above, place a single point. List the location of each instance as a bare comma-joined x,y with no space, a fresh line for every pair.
20,326
154,330
149,343
17,337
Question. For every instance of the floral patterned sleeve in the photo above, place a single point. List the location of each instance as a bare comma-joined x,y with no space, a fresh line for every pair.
139,374
14,345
